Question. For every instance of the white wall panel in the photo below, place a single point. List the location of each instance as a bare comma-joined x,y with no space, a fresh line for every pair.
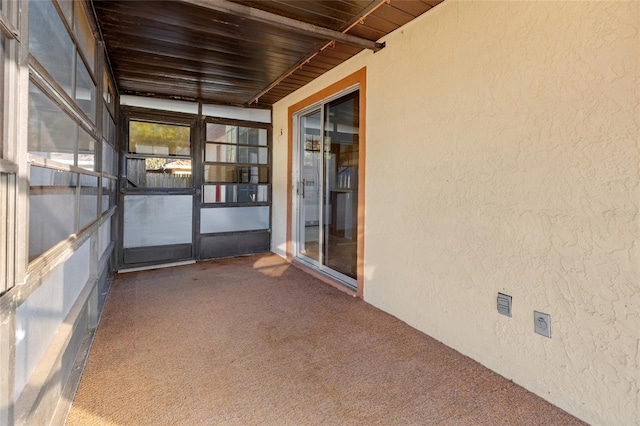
38,319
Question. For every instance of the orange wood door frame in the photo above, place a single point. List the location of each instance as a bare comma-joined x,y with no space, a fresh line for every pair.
357,78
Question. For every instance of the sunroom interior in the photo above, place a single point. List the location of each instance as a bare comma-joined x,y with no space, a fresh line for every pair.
464,166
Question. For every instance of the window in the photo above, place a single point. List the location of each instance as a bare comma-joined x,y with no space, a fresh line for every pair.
109,152
159,155
2,56
236,164
9,46
64,195
54,49
54,135
52,211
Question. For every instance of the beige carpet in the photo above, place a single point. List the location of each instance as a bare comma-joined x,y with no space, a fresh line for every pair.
255,341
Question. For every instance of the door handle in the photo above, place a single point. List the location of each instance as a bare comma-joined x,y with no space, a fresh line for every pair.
304,184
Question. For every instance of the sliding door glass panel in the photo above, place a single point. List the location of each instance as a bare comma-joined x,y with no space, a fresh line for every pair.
310,185
155,220
327,200
234,219
341,130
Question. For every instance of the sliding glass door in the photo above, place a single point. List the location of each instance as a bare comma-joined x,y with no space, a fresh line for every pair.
327,187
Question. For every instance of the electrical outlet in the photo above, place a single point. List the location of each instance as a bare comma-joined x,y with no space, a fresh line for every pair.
542,323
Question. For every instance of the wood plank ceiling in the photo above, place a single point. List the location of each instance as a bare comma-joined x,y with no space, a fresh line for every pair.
201,50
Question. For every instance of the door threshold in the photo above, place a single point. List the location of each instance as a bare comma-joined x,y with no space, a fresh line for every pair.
149,267
327,279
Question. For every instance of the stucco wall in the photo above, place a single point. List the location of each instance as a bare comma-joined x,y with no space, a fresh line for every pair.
503,156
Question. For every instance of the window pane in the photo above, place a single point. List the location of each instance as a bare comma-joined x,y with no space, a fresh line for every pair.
252,193
109,159
252,154
88,200
67,8
50,43
85,91
108,92
221,133
84,35
108,194
252,136
158,173
235,193
233,219
220,153
52,134
159,139
220,174
108,127
220,193
86,150
2,56
52,208
253,175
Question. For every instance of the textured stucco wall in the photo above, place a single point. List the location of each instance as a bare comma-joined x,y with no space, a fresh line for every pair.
503,156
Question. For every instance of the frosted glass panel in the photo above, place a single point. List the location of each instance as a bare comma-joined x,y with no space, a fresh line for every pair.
156,220
50,43
88,200
231,219
52,212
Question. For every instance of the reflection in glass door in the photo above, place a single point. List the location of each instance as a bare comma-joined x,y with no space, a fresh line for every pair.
327,196
310,186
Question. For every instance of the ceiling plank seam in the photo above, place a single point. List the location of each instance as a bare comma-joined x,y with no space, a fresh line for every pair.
247,12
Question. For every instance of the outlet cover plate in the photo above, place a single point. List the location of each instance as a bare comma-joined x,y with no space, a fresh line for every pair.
542,323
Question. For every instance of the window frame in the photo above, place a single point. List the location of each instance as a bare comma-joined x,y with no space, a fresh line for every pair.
238,165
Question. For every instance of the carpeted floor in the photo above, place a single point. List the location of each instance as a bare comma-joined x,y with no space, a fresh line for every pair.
255,341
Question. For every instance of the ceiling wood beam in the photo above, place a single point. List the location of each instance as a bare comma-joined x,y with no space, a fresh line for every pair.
372,7
300,27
